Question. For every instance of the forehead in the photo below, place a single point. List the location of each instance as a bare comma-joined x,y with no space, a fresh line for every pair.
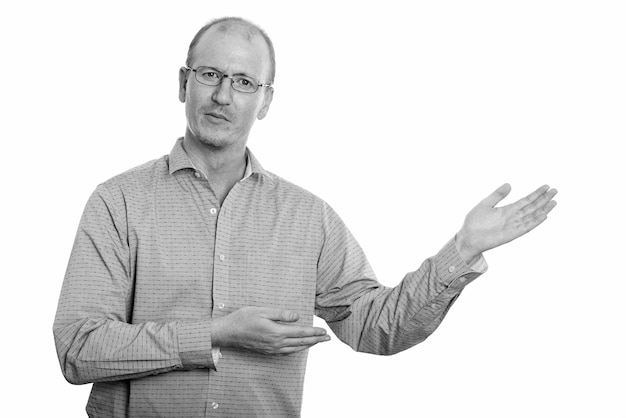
234,50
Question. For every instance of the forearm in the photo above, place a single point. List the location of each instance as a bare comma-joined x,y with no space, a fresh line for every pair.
97,350
390,320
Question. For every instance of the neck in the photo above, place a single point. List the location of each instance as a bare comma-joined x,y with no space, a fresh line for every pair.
224,166
216,162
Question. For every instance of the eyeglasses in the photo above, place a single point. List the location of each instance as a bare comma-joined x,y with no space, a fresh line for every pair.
211,77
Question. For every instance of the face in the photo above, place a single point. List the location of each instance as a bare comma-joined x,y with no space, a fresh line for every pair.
218,115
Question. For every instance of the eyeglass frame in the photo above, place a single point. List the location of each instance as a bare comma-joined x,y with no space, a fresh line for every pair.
224,75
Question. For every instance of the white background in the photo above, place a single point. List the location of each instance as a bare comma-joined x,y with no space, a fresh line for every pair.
402,118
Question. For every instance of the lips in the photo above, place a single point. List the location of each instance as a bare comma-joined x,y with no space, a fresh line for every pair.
218,115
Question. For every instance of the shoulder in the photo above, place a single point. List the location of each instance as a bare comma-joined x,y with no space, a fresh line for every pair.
285,189
140,174
134,182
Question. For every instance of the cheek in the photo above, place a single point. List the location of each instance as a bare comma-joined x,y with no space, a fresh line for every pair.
192,100
193,103
250,111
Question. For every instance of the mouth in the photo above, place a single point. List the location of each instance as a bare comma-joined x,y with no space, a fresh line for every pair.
215,116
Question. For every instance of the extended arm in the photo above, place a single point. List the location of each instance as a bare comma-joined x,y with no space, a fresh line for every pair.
372,318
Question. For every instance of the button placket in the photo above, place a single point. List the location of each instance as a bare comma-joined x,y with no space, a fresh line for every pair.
221,291
221,268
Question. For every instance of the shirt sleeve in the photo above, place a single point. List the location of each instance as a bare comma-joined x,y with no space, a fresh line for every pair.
377,319
94,336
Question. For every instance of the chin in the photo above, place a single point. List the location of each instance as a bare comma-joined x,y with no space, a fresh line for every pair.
213,141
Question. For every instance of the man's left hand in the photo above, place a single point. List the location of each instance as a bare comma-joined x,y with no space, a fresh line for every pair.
487,226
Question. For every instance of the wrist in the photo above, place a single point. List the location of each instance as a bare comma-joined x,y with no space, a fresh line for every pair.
217,332
466,252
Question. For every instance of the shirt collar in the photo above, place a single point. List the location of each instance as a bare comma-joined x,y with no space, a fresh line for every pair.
178,160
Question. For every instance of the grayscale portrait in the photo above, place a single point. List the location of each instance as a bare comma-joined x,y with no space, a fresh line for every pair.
285,210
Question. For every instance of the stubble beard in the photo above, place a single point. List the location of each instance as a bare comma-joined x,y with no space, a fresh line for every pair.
212,138
212,141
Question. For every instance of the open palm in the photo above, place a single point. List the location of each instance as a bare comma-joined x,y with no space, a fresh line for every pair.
487,226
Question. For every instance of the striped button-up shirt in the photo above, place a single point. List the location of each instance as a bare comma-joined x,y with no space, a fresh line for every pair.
156,258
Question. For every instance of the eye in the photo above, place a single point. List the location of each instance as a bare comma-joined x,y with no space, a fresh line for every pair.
244,84
210,74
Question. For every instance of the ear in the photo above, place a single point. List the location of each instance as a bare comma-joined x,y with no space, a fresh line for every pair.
182,83
267,100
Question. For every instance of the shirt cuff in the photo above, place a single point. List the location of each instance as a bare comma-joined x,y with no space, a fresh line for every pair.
194,344
216,354
480,265
453,270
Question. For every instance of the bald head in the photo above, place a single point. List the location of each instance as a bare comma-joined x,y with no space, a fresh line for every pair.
240,27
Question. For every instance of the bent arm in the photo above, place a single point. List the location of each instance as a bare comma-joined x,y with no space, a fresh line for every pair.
94,338
376,319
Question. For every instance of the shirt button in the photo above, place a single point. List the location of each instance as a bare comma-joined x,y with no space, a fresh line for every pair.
197,174
214,405
220,305
222,257
463,279
451,269
213,211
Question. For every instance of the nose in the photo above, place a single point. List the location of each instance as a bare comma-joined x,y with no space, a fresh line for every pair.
223,94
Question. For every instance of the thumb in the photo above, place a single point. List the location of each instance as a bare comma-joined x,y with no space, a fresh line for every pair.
282,315
494,198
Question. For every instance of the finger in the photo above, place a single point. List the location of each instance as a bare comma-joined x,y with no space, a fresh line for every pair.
299,331
535,219
494,198
524,201
539,213
539,203
297,347
280,315
551,205
307,341
291,350
531,223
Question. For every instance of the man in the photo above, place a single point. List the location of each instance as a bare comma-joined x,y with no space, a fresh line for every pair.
194,278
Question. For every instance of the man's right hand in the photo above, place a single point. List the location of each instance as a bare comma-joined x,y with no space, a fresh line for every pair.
265,330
